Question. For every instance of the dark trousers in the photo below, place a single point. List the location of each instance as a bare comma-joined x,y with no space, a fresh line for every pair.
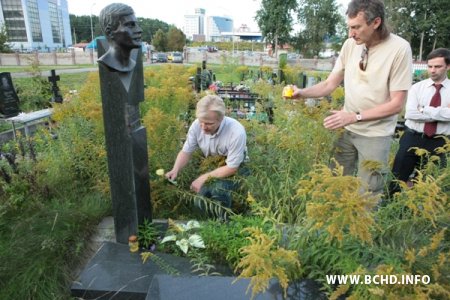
221,189
406,159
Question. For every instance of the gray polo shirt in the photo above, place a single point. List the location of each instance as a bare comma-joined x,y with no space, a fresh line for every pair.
229,140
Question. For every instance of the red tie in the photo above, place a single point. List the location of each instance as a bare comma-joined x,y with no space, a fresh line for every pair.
430,127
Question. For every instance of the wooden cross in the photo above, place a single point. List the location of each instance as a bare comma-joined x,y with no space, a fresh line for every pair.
54,78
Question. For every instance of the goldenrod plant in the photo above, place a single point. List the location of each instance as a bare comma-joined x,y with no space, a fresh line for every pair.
337,203
263,260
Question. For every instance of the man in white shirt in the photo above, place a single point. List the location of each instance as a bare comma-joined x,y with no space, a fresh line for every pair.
215,135
427,118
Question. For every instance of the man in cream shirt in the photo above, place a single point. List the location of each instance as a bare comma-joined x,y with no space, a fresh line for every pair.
376,67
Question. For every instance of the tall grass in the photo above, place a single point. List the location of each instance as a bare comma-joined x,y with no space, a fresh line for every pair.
53,191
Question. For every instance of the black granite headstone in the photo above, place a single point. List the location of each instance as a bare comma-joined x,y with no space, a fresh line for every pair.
9,102
281,76
301,80
198,80
56,94
126,144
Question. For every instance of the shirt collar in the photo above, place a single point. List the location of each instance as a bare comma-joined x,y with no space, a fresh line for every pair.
445,83
222,124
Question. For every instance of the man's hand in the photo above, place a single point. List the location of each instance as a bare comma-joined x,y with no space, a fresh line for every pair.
171,175
339,119
197,184
296,93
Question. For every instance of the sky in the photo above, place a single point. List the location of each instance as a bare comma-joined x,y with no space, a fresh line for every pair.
173,11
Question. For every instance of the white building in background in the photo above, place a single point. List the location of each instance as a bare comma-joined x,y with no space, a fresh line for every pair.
215,25
194,25
243,33
36,24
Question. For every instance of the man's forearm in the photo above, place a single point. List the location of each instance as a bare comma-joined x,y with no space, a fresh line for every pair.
181,161
221,172
321,89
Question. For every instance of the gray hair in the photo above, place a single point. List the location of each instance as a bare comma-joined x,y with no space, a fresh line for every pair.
210,103
110,16
372,9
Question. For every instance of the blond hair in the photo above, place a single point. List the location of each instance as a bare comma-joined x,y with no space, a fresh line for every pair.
210,103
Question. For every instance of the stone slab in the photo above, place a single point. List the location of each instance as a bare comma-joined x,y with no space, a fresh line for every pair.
168,287
114,272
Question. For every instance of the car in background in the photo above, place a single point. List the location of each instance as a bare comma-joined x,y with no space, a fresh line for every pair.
211,49
159,57
176,57
154,57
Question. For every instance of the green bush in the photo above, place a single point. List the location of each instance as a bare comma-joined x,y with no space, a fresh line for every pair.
225,240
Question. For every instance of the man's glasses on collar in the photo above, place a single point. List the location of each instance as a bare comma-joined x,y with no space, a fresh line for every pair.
364,59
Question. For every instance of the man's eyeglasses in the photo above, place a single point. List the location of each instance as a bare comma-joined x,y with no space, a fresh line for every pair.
364,59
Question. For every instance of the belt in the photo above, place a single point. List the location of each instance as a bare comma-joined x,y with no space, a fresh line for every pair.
423,135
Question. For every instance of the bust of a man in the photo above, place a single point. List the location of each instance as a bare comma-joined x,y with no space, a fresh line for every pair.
120,27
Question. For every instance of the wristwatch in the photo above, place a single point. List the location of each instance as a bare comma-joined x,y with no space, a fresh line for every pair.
358,117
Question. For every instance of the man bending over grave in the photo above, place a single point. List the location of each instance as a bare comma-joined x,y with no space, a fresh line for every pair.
123,33
215,135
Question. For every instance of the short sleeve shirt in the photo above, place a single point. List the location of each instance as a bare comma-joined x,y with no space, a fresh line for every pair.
389,68
230,140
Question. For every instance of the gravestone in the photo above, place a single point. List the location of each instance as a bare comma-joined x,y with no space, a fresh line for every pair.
126,145
205,76
168,287
9,102
281,76
56,95
311,81
198,80
302,80
122,89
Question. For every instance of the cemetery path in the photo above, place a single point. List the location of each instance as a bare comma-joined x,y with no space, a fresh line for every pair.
59,71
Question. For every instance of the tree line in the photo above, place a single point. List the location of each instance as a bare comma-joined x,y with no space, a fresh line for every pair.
424,23
162,36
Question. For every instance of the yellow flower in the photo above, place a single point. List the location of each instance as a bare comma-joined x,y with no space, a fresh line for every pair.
160,172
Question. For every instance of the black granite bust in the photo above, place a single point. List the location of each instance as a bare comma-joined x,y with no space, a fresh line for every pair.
122,89
123,33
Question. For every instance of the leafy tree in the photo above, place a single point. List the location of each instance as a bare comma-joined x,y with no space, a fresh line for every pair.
81,28
160,41
340,36
4,47
320,19
275,21
150,27
176,39
424,23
